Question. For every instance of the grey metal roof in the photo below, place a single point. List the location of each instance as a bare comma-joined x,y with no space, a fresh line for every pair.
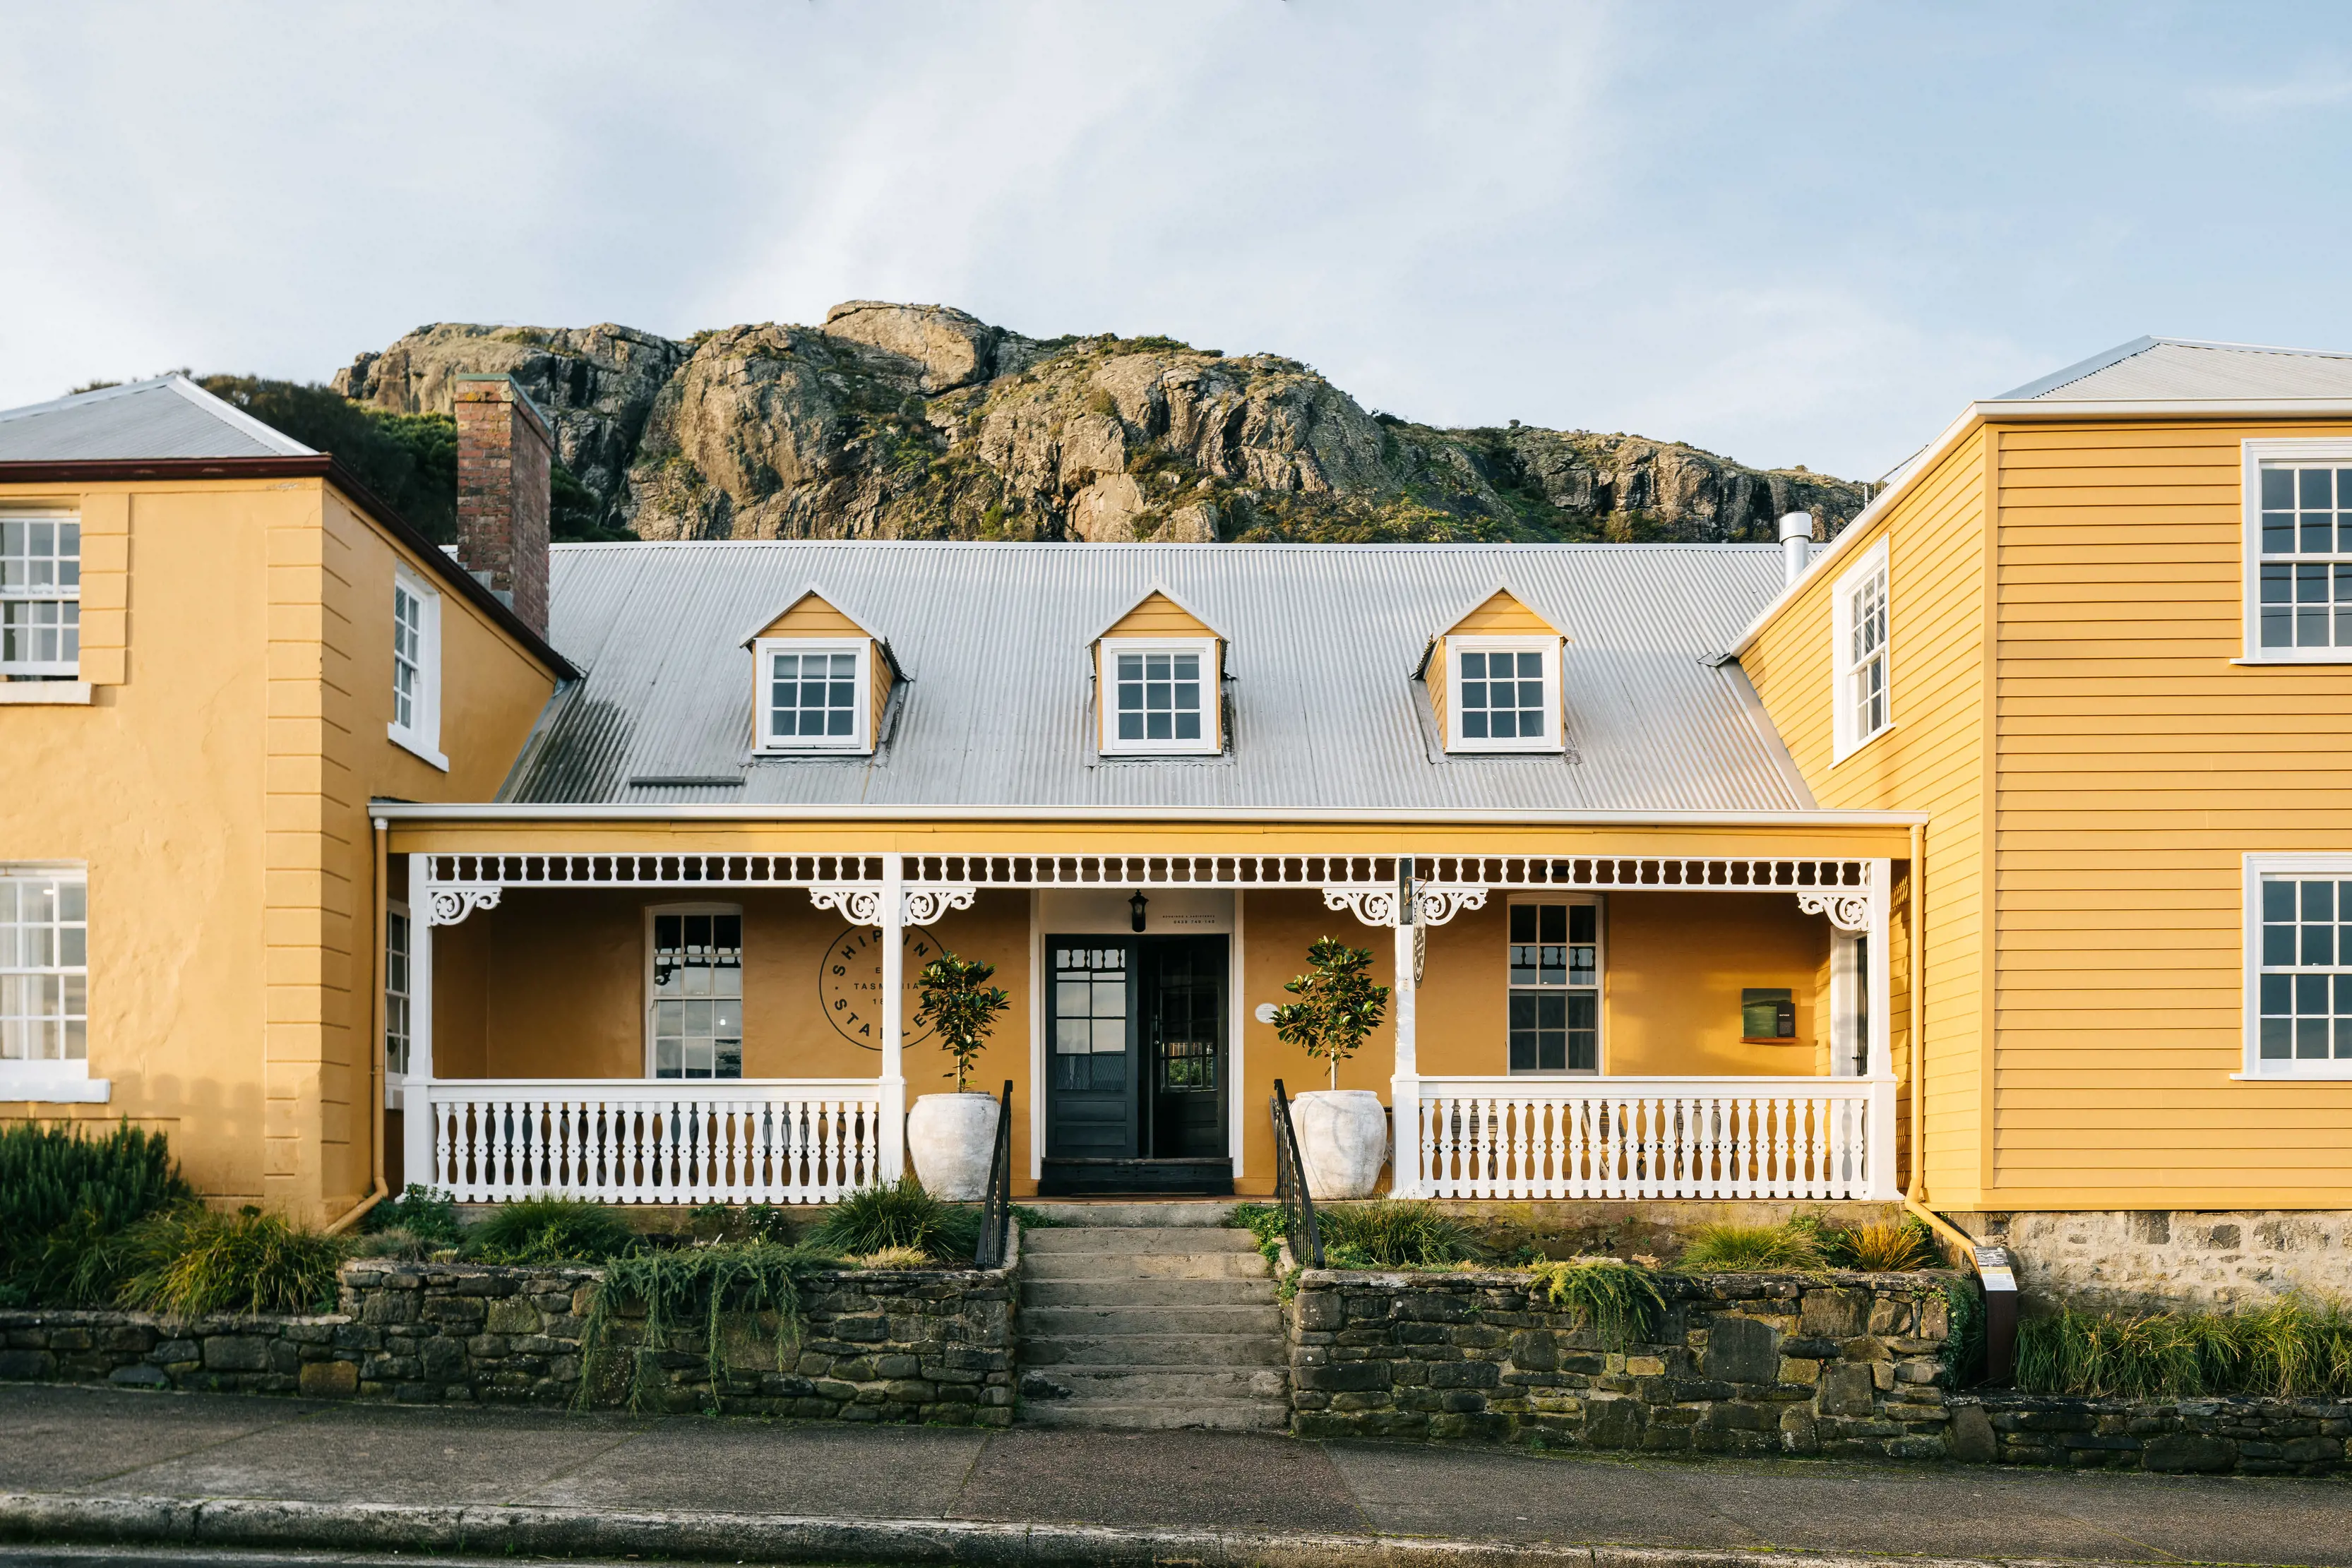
170,416
2179,368
1323,641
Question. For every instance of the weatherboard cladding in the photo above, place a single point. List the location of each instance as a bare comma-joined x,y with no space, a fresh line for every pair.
994,639
169,417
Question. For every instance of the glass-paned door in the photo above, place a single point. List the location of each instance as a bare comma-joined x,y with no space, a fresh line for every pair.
697,988
1090,1108
1184,990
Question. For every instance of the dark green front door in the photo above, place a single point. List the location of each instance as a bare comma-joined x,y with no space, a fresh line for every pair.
1135,1047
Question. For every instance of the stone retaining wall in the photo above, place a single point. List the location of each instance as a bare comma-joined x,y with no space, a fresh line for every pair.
2149,1260
1741,1365
878,1345
2241,1433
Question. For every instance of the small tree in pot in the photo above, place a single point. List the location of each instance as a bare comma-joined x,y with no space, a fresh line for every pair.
951,1137
1342,1133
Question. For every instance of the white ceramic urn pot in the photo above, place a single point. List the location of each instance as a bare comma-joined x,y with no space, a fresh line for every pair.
1343,1136
951,1138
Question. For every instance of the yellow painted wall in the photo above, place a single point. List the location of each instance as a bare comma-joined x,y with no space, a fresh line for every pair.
811,616
216,789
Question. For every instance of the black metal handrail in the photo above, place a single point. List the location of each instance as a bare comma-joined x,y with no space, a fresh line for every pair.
996,1204
1290,1187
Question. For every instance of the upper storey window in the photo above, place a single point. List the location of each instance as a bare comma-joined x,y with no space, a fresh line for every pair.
1494,680
416,668
1157,669
40,597
1861,707
2299,550
821,680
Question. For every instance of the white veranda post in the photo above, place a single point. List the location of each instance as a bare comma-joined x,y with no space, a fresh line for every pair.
415,1113
1882,1036
1404,1083
892,918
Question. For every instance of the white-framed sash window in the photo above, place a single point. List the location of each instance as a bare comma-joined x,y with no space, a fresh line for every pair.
1553,978
1160,696
44,984
1862,706
2298,965
396,994
814,694
416,668
694,987
2297,497
1502,693
40,597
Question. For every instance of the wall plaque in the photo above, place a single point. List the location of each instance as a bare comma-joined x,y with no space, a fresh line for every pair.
849,984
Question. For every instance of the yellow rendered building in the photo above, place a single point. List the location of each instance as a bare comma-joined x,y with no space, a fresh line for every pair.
608,869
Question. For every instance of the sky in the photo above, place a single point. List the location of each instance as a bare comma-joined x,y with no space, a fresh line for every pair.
1802,233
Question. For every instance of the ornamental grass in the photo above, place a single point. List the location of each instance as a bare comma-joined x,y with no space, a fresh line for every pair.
1617,1300
2293,1346
901,1216
675,1291
550,1230
1394,1233
1755,1250
192,1262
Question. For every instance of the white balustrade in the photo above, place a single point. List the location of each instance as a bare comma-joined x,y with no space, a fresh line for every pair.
733,1140
1654,1137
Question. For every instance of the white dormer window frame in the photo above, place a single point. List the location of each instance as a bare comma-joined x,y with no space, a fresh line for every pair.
778,727
416,725
1861,655
1154,683
1460,686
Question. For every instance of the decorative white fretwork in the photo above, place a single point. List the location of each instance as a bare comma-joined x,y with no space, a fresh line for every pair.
1372,906
859,905
925,904
1378,905
1847,911
1436,906
1726,873
448,903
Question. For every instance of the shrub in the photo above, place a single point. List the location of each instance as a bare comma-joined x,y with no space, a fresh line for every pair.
190,1261
424,1213
1389,1233
2291,1346
686,1287
880,1217
1882,1249
962,1006
1617,1300
63,1194
1337,1004
1755,1249
550,1230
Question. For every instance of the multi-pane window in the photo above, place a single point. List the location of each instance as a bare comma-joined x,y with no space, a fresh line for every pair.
1502,695
395,991
1555,987
407,655
2305,980
40,596
1159,697
812,698
1090,1017
44,968
2307,557
1859,651
698,985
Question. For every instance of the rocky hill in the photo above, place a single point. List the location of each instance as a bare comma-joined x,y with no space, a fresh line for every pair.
922,421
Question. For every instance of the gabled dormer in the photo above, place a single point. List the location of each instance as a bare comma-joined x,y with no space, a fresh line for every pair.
821,680
1494,679
1158,668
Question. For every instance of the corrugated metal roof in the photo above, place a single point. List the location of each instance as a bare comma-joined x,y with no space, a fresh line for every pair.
2178,368
170,416
1323,643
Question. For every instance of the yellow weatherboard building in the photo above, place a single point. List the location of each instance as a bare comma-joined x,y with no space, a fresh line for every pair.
1994,857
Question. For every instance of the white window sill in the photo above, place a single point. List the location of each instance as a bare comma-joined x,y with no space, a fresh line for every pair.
55,1091
1860,746
1469,748
1159,751
409,743
814,751
2327,661
60,693
2318,1072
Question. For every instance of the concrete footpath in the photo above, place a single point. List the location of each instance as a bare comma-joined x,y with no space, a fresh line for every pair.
101,1478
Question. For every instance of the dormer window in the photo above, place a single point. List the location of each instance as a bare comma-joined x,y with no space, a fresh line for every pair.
1157,669
821,682
1494,679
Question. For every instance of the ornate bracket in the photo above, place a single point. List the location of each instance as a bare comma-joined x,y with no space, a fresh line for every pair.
1439,904
445,904
1847,911
859,905
925,904
1432,905
1372,906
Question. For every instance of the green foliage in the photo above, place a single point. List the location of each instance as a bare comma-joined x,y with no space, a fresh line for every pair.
191,1261
677,1289
1964,1337
1389,1233
1263,1222
1881,1249
1617,1300
408,460
1756,1249
959,1005
765,1222
881,1217
426,1213
550,1230
1337,1004
64,1196
574,512
2293,1346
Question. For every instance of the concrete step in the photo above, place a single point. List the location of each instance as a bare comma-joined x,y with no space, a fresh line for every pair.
1205,1212
1038,1293
1134,1238
1109,1266
1176,1385
1156,1416
1151,1349
1061,1321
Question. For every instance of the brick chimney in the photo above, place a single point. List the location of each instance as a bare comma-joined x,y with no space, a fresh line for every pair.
503,447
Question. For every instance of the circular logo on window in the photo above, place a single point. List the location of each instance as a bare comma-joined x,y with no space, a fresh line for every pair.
849,984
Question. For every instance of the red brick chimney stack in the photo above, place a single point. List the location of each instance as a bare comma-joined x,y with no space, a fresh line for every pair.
503,451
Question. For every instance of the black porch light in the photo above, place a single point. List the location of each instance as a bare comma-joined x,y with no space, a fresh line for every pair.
1135,910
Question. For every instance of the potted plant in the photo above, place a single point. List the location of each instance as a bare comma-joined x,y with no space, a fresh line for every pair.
951,1137
1342,1133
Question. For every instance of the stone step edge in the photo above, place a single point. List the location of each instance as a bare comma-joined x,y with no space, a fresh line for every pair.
368,1535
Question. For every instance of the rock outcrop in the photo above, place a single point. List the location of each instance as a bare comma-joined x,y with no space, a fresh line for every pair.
922,422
